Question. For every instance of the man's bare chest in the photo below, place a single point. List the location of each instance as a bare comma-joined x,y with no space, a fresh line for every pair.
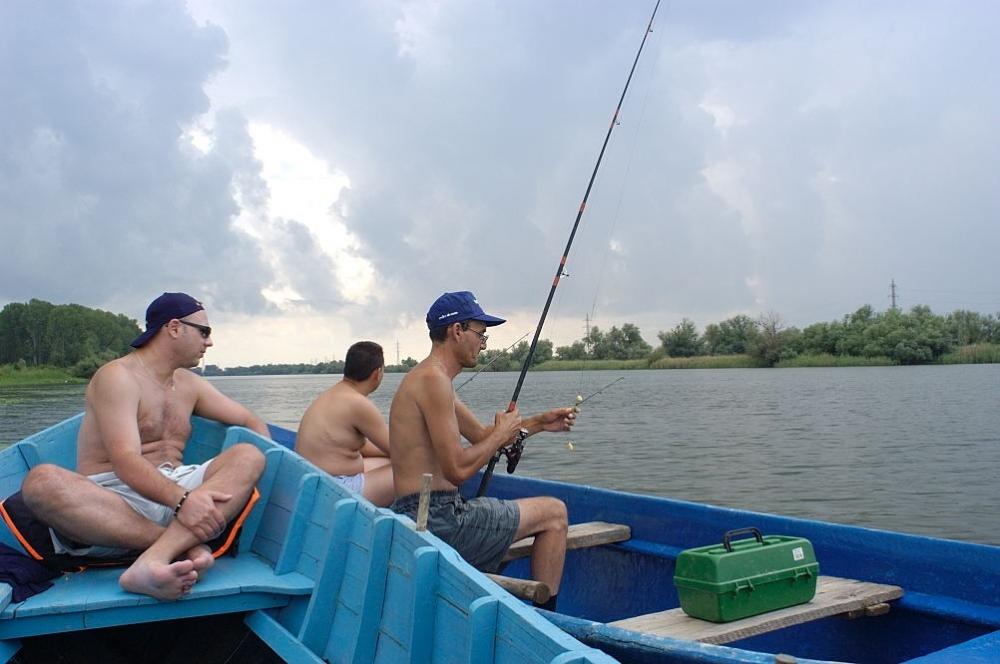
164,417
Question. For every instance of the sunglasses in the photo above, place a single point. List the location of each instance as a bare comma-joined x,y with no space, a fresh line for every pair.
206,330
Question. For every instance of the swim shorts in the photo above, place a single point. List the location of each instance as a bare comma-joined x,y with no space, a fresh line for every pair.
481,529
59,552
355,483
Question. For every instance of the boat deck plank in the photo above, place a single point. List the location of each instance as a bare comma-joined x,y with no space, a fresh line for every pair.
834,596
79,597
580,535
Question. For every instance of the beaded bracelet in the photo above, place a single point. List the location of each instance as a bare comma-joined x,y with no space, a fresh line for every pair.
177,510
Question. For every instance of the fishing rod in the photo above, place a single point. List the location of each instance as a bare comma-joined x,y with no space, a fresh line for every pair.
513,452
491,362
580,400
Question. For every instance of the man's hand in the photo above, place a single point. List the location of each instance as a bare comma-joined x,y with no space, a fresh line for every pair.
507,423
557,419
200,515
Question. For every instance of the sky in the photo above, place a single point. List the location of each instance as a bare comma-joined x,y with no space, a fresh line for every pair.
319,172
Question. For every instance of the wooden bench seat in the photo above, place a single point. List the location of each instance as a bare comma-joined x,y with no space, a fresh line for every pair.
94,599
834,596
580,535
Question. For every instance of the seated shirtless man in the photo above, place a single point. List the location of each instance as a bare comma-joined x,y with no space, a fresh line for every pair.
426,425
343,432
131,494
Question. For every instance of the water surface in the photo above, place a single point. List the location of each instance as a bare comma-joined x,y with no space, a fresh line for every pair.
913,449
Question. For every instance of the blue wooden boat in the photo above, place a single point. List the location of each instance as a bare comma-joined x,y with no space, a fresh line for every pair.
621,597
908,598
320,575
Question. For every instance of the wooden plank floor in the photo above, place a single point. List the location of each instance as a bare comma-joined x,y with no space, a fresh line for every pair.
580,535
834,596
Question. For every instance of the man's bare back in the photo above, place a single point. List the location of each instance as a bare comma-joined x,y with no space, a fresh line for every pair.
331,431
343,432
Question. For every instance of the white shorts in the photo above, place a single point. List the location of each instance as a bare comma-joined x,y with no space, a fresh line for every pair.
355,483
188,477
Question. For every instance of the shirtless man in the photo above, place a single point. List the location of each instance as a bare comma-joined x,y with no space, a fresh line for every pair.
132,493
426,424
343,432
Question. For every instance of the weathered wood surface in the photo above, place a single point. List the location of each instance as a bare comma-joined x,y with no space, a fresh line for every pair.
580,535
534,591
834,596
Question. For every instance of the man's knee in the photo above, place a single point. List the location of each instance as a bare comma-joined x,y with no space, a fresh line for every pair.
553,514
45,485
559,516
247,458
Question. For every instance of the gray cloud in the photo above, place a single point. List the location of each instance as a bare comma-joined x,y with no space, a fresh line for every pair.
789,157
100,200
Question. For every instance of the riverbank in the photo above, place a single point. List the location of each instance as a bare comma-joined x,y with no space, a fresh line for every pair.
12,377
971,354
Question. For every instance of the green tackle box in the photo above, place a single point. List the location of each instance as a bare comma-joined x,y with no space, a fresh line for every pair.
744,577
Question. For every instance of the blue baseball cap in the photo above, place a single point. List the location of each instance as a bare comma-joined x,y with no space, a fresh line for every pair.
457,307
164,309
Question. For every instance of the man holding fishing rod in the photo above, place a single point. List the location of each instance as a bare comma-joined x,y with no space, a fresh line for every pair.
426,424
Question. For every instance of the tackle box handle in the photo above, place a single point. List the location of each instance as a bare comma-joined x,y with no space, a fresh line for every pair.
740,531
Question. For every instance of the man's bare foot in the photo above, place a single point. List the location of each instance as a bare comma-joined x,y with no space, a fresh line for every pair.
160,580
201,556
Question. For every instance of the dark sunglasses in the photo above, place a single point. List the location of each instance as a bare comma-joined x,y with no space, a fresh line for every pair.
206,330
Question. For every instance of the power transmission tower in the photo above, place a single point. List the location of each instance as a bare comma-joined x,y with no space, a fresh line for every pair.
892,293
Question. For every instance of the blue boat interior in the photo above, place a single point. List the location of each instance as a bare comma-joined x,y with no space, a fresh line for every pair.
950,610
320,574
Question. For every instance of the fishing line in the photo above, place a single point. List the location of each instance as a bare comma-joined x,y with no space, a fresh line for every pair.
493,361
513,452
624,185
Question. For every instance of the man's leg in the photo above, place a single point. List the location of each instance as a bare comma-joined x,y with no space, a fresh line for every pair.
80,509
234,472
546,519
378,486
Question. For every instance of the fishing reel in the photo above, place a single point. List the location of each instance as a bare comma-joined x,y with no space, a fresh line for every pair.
514,450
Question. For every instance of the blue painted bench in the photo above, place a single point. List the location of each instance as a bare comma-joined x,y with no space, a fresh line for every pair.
264,574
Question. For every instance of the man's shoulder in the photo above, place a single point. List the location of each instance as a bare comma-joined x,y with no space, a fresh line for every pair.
112,372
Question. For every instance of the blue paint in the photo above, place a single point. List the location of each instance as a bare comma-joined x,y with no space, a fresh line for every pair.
425,577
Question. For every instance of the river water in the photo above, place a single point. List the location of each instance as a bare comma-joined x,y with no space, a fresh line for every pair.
912,449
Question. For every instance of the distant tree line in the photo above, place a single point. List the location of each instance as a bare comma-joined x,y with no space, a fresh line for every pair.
69,336
330,367
79,340
914,337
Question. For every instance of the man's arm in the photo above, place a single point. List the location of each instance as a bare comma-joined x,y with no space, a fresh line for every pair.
557,419
370,423
215,405
468,424
438,406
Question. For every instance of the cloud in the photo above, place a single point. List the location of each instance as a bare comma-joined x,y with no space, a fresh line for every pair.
354,160
102,200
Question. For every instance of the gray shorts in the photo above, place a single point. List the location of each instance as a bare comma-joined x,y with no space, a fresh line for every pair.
355,483
189,477
481,529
